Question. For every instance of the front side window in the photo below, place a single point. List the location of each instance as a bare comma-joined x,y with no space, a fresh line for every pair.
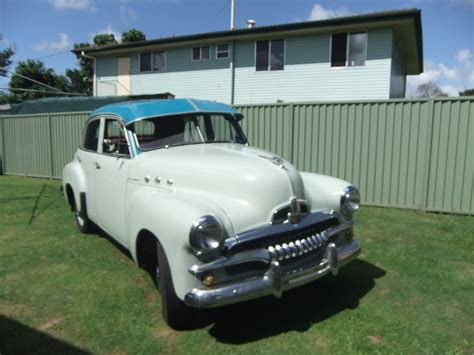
91,136
114,141
187,129
201,53
348,49
153,61
270,55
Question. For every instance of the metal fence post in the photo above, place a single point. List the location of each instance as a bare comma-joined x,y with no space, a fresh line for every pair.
291,109
428,154
51,145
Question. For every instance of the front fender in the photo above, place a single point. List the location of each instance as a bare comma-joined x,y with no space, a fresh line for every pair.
74,176
169,214
323,192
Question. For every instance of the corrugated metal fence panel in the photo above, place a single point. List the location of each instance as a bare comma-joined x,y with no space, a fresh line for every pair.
269,127
27,145
66,131
401,153
451,173
1,146
380,147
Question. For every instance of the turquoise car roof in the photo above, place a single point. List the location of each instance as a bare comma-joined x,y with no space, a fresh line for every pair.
132,111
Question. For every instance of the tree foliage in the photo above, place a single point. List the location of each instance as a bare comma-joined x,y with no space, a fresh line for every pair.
133,35
5,60
104,39
29,70
467,92
430,89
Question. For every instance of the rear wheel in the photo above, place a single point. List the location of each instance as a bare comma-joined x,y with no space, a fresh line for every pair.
175,312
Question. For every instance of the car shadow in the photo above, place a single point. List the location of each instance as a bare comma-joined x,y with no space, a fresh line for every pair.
298,309
18,338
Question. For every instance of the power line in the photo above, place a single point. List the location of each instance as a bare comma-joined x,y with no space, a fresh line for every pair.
44,91
34,81
213,20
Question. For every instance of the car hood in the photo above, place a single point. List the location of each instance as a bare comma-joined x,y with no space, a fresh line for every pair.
247,183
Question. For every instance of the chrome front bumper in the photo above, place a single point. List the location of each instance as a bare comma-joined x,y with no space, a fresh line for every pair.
273,282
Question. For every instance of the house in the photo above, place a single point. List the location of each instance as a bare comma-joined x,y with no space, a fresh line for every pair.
349,58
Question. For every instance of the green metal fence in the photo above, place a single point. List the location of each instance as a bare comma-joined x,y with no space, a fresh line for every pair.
39,145
400,153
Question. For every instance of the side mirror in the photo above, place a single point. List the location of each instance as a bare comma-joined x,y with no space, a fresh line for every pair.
108,146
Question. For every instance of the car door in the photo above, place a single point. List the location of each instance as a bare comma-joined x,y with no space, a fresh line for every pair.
111,179
87,156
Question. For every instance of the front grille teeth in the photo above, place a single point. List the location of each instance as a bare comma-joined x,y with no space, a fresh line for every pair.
297,248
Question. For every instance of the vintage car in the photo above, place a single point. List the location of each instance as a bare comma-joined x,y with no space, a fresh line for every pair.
214,220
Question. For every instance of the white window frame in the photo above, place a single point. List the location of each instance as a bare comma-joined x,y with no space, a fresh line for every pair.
151,62
200,53
227,51
347,50
269,54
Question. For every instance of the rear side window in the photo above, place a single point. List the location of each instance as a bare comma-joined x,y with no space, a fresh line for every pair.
91,137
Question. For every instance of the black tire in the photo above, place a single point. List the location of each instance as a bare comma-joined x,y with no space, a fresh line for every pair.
175,312
84,224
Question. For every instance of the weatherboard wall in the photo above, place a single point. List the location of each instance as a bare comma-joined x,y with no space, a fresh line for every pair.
307,75
106,76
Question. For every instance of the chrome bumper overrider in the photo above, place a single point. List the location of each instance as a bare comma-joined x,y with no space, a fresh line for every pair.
273,282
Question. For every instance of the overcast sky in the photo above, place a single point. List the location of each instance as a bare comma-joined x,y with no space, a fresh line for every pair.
46,29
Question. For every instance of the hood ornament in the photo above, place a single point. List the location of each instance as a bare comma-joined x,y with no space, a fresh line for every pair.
294,216
275,160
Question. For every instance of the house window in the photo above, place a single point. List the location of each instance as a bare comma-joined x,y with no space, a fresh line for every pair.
222,51
201,53
270,55
153,61
348,49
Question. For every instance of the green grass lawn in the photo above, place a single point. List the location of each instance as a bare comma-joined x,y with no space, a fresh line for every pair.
411,290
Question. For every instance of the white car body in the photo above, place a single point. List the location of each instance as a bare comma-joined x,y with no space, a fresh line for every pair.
164,191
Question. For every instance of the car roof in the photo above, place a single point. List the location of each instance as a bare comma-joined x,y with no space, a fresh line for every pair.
132,111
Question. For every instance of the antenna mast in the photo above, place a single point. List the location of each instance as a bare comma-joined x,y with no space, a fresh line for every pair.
232,14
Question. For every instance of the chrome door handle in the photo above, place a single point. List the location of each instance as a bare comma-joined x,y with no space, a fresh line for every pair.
97,166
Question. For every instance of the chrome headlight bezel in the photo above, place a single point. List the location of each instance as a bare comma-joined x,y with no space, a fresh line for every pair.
206,236
350,200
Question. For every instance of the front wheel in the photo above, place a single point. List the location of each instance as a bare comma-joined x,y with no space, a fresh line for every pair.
175,312
84,224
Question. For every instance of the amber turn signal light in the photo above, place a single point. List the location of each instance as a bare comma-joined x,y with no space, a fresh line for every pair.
208,280
350,235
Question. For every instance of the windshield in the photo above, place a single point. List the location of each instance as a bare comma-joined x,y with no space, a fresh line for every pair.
186,129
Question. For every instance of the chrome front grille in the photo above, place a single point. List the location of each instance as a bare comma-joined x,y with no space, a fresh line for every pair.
297,248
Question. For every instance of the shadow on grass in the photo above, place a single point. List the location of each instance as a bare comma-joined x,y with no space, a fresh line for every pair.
298,309
35,211
17,338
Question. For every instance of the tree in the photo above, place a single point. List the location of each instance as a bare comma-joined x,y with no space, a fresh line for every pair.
104,39
430,89
467,92
80,80
5,60
133,35
29,70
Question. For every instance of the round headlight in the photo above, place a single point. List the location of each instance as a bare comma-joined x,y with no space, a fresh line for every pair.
350,200
206,234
